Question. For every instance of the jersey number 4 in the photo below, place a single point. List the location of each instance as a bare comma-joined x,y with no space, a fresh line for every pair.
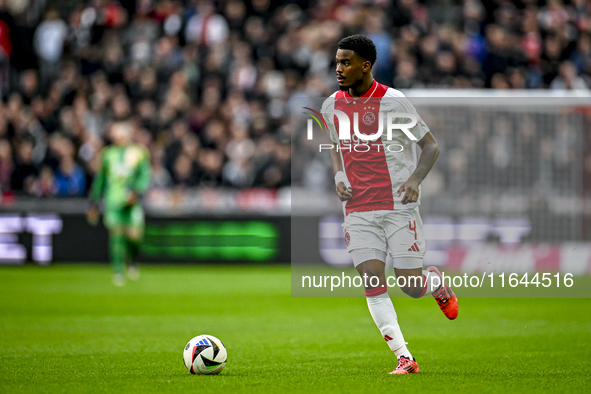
413,227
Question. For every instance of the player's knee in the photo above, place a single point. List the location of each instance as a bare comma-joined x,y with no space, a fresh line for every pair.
371,279
372,273
134,234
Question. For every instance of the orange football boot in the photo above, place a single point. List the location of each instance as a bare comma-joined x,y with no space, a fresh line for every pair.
405,365
445,297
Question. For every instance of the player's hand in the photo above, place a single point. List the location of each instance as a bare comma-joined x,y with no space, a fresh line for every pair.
132,198
345,193
410,188
92,215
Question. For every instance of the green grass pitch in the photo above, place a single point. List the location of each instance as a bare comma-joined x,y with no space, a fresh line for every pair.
65,328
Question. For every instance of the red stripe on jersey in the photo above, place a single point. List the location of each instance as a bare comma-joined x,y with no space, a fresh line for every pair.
367,171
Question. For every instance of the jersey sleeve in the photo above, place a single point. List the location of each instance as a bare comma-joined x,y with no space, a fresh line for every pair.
399,103
142,178
329,119
421,128
98,183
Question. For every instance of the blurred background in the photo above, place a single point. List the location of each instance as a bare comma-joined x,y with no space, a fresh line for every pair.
208,86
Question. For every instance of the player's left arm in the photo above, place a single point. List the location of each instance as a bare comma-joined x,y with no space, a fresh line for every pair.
429,154
142,179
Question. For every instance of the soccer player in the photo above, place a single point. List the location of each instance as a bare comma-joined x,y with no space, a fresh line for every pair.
123,176
379,183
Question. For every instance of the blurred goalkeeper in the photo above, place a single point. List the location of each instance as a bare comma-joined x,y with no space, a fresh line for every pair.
122,178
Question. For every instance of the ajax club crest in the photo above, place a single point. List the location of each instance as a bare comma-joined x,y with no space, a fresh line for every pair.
369,117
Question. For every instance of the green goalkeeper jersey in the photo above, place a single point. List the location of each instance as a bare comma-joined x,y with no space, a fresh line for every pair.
122,170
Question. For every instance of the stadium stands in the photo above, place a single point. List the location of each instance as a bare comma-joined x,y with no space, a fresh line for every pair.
207,84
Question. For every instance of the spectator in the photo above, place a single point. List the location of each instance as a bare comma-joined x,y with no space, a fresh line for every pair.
582,54
69,177
184,173
516,78
25,171
45,185
406,75
160,178
499,81
6,165
274,169
6,25
206,27
501,55
49,45
29,86
551,58
375,29
179,131
211,162
237,171
568,79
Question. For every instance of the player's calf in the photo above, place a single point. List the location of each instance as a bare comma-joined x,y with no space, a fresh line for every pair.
133,237
417,282
410,281
381,307
373,274
414,292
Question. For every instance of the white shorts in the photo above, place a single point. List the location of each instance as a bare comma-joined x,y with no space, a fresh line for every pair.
370,235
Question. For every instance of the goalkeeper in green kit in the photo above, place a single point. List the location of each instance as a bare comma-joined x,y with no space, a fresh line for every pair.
123,176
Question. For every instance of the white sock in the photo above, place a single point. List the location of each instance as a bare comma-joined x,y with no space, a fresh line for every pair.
431,282
384,315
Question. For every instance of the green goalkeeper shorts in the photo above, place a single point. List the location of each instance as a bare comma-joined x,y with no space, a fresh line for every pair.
125,217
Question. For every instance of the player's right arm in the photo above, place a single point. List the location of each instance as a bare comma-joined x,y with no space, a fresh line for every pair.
344,190
96,191
343,187
141,181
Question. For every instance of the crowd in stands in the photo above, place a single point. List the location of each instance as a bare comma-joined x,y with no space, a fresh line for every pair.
207,84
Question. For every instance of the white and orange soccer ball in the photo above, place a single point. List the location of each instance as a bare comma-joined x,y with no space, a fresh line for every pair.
205,354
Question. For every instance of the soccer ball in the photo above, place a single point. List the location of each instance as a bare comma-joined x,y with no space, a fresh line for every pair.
205,354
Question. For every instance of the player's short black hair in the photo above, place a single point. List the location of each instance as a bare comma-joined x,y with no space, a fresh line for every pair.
361,45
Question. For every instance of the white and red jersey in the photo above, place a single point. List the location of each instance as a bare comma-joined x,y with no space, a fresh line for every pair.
376,170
